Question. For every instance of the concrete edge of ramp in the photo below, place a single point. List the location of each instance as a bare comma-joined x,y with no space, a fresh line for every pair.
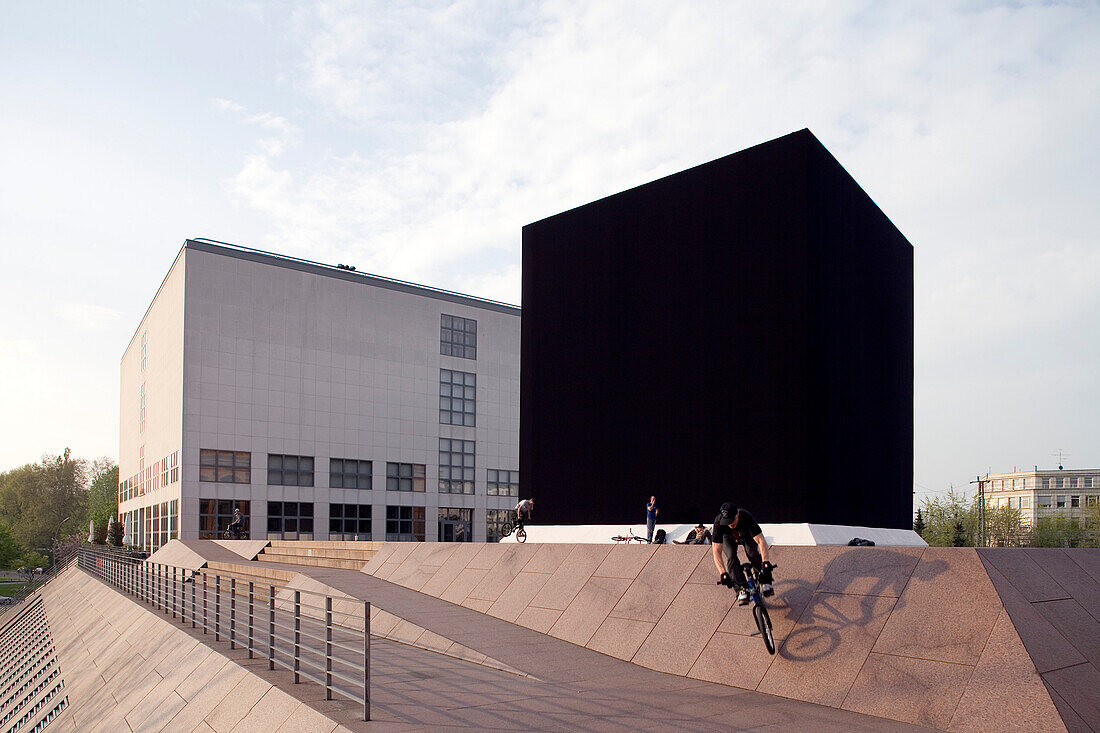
387,625
127,668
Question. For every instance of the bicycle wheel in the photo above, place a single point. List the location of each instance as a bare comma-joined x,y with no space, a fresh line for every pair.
764,623
521,535
505,529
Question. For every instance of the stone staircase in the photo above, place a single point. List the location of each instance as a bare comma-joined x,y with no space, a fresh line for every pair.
318,553
263,576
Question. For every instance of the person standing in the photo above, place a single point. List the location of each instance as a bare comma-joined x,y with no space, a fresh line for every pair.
650,518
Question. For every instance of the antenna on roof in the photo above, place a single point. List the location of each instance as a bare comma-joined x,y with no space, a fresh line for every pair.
1060,453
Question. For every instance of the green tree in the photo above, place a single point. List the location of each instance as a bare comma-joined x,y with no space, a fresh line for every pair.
1058,531
103,492
958,537
45,501
1005,527
942,515
918,524
10,550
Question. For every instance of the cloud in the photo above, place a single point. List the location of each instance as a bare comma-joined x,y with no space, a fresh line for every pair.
226,105
88,316
972,126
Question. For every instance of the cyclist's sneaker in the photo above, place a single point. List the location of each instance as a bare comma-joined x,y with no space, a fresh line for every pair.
767,589
742,597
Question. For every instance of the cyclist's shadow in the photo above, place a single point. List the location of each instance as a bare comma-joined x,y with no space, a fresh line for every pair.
853,586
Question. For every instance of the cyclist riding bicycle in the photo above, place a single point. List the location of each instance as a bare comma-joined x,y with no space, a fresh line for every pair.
235,527
527,505
733,527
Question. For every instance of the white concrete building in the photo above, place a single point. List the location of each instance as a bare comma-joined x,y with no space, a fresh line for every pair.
1045,492
324,403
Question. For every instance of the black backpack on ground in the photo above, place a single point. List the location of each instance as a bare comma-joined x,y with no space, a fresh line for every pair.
659,537
859,542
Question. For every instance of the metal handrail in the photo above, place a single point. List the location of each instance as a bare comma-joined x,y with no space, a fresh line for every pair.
185,594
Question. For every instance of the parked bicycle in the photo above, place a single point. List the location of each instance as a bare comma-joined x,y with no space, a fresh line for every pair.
628,538
759,610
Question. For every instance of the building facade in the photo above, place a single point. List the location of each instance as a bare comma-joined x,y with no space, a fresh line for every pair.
323,403
1045,493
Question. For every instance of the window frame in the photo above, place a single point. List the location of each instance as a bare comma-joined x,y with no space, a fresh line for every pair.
467,466
290,464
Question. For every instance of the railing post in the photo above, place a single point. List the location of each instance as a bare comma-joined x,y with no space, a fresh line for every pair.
232,612
251,615
328,647
217,607
366,660
297,634
271,632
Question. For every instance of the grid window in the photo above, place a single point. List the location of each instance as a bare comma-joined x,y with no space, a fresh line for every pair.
1088,482
225,466
1090,500
494,520
405,477
344,473
502,483
1042,501
216,514
404,524
1075,501
458,337
290,520
456,525
457,398
1059,502
1025,502
289,470
456,466
349,521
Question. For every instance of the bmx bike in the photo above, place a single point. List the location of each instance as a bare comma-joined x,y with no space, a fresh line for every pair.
628,538
759,610
234,533
521,531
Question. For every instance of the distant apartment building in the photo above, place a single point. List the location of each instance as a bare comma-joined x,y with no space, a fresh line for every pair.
321,402
1039,493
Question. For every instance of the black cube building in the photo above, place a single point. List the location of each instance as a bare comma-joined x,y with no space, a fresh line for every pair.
741,330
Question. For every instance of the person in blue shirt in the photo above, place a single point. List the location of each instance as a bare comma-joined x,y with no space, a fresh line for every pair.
650,518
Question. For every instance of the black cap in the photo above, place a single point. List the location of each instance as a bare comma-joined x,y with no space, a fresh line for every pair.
726,514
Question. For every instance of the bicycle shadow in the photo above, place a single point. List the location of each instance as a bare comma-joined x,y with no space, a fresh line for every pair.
857,591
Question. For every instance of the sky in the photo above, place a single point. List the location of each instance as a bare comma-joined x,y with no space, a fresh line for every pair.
414,140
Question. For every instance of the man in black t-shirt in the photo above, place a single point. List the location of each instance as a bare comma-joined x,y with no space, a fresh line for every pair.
733,527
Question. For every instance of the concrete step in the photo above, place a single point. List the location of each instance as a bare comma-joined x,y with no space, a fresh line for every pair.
245,571
362,555
326,562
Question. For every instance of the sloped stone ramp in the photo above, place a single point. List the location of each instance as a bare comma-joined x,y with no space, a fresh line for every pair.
919,635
